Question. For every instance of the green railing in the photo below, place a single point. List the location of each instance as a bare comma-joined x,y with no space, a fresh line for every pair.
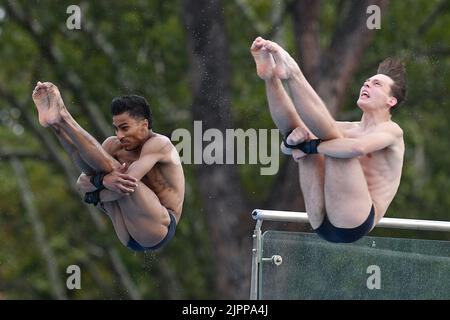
294,265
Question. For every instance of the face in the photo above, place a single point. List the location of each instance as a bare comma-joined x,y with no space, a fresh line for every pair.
376,93
130,131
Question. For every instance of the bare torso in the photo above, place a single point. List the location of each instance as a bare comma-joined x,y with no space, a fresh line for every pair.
165,179
382,169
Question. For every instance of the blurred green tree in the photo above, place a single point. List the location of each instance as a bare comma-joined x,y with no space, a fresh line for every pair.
191,60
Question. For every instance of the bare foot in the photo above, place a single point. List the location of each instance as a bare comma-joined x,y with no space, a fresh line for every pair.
265,64
286,66
49,103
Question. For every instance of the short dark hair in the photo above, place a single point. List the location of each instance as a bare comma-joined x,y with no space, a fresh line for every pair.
395,69
135,105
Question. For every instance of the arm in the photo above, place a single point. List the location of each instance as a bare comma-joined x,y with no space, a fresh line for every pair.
356,147
84,185
152,152
117,183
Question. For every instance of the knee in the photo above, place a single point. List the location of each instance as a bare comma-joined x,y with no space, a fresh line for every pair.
139,192
140,186
334,133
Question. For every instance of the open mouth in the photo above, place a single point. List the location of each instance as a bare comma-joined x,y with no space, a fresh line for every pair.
364,94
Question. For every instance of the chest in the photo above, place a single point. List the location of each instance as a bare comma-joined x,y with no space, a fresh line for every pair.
355,132
126,157
370,160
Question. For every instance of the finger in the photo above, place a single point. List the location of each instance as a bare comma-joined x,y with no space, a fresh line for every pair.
131,184
128,184
290,140
126,190
128,177
123,167
298,154
131,179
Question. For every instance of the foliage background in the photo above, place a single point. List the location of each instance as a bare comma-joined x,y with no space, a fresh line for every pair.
142,47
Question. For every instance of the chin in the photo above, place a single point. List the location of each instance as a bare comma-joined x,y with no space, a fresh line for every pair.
362,104
131,147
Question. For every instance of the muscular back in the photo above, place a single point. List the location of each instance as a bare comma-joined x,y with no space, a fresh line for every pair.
157,165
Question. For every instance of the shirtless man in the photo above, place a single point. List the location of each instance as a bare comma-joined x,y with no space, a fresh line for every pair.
135,177
349,171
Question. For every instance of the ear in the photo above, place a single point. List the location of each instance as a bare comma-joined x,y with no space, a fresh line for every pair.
146,122
392,102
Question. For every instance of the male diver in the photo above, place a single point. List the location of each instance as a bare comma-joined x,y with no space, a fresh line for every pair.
135,177
349,171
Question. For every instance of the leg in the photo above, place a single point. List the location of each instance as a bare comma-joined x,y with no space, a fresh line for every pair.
308,104
347,198
282,110
311,173
72,150
89,150
52,112
280,105
140,215
114,212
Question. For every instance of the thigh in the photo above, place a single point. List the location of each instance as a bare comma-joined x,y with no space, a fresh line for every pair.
145,218
347,198
311,174
112,209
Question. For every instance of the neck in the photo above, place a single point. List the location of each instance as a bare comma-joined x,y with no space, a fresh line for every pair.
147,136
144,140
371,118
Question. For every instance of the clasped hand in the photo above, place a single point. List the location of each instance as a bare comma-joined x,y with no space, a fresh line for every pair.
120,182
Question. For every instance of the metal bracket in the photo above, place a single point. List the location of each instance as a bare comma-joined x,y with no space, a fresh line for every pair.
275,259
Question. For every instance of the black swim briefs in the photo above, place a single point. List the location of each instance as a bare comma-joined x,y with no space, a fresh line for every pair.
331,233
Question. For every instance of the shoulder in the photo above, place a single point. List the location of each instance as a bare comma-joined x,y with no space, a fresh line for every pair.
392,128
157,144
111,144
344,125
